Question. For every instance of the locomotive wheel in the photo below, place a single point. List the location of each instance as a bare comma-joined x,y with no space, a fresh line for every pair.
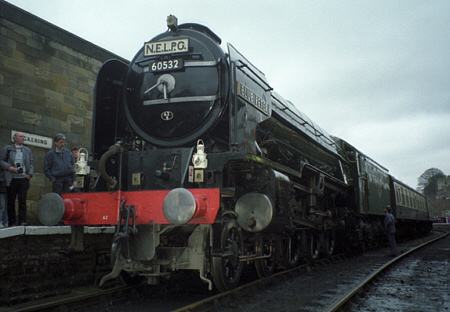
265,267
313,246
330,243
227,270
291,249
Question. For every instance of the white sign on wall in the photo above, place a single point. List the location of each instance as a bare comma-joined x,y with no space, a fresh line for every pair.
35,140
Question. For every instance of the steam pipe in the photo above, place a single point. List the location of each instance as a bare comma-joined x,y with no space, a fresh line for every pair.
112,150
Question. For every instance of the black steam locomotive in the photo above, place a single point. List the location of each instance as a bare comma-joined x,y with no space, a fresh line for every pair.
202,167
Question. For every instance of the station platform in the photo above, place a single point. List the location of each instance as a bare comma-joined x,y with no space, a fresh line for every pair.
51,230
39,261
7,234
441,226
66,229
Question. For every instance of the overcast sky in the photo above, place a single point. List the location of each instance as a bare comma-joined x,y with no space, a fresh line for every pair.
375,73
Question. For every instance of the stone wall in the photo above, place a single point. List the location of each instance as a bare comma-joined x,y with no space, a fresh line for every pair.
38,263
47,80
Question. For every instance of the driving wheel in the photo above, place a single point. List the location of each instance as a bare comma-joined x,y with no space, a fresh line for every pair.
265,266
226,268
330,242
291,249
313,246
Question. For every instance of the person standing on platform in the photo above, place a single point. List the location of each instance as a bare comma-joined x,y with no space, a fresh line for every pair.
389,226
75,151
58,166
17,161
3,201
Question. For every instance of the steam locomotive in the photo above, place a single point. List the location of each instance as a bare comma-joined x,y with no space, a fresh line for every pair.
201,166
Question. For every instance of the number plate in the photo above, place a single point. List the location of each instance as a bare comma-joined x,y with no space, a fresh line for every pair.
165,65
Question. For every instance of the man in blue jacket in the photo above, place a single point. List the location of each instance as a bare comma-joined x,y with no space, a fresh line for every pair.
58,166
17,162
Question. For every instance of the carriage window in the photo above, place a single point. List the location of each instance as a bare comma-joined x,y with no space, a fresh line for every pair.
399,196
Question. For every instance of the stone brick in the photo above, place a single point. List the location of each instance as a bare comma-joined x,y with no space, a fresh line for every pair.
20,30
59,64
48,51
3,29
44,66
65,126
51,123
19,66
88,122
59,115
16,36
10,113
68,108
84,88
5,48
75,120
42,73
36,268
81,95
34,43
33,193
78,129
18,56
91,83
5,100
60,80
55,96
32,118
39,179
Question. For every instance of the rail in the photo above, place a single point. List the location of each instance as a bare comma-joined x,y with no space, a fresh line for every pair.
339,303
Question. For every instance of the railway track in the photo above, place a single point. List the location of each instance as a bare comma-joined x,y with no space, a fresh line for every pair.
116,298
328,287
77,300
217,302
344,302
